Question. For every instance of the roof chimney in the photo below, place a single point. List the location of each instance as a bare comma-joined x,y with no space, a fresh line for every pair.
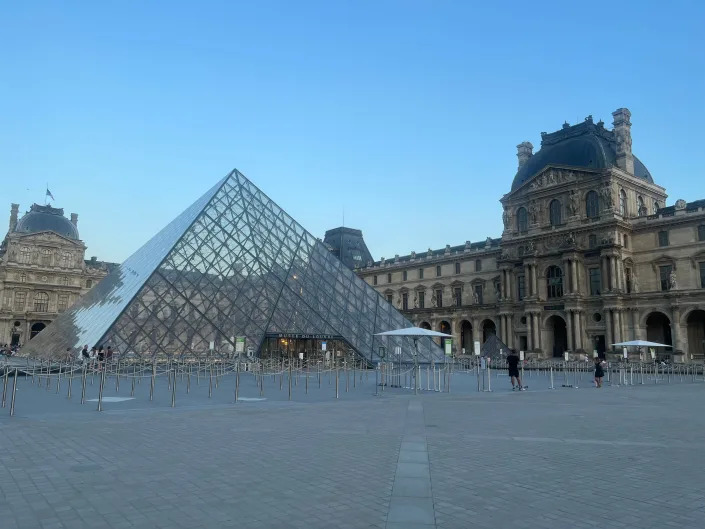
524,152
74,219
623,136
14,209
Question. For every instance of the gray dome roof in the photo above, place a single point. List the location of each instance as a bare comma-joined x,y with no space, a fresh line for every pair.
45,218
587,145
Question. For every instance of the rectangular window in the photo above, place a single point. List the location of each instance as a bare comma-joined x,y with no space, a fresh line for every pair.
420,273
665,276
438,270
439,298
595,281
20,298
405,301
521,287
702,275
478,265
457,268
628,279
374,280
663,238
458,295
701,233
478,294
422,300
404,275
8,301
63,302
390,298
389,278
592,241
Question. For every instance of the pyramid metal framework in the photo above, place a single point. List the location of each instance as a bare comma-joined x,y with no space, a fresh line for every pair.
232,265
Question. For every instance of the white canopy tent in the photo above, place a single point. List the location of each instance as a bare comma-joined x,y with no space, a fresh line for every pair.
640,343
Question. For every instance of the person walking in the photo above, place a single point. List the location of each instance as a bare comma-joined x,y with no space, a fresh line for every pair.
513,363
599,372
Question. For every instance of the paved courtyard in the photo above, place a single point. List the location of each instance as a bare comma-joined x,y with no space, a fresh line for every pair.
617,457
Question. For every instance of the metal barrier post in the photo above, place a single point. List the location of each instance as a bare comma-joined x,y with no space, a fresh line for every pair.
173,387
290,379
336,381
14,393
552,387
83,385
4,387
151,383
68,394
100,390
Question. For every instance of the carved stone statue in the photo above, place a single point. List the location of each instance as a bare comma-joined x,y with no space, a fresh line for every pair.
672,280
434,301
635,284
416,300
498,291
475,298
533,212
607,199
399,301
507,218
573,203
530,248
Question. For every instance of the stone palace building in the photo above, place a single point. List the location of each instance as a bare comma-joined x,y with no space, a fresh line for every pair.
43,271
589,256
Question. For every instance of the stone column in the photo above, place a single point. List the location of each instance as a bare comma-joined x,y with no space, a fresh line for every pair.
569,329
527,280
608,329
567,277
617,326
510,289
620,274
578,330
510,332
676,329
535,281
605,274
634,323
615,278
529,332
537,331
503,283
574,269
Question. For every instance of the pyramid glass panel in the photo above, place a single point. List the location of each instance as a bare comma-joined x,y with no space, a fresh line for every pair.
232,265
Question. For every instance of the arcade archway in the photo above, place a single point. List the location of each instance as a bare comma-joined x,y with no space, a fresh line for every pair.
466,338
658,328
488,329
36,329
557,336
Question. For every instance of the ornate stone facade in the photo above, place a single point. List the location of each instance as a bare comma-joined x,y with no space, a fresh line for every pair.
588,257
42,271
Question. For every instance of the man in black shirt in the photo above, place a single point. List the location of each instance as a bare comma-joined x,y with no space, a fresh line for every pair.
513,363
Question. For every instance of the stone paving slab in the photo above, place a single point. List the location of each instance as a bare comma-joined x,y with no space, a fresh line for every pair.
619,457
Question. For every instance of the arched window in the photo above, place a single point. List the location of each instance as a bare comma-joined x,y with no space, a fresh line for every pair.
554,209
622,203
25,255
46,257
522,220
592,205
554,282
656,207
641,209
41,302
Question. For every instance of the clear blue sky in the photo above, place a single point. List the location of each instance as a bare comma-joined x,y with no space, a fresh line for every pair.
406,114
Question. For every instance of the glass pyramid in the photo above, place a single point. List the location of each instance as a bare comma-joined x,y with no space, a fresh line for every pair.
233,265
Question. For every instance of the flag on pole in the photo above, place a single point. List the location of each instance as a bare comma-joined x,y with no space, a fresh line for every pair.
49,194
